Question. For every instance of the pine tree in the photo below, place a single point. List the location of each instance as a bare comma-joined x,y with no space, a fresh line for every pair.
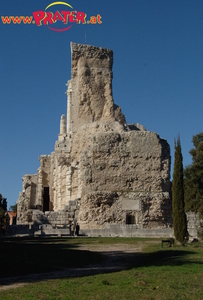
179,216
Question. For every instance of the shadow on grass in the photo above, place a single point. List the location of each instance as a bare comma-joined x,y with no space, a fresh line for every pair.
26,256
31,260
161,258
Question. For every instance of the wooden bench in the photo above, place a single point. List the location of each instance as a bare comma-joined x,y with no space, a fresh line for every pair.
169,241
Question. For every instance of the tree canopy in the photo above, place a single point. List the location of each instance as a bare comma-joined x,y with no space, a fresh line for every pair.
193,177
3,209
13,208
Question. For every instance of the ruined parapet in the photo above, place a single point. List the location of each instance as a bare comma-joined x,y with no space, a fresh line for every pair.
27,198
91,80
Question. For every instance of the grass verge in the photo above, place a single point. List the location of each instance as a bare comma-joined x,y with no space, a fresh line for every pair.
154,273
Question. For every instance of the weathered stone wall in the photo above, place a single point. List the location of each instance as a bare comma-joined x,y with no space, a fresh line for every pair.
103,172
128,168
33,193
194,224
61,172
27,198
131,161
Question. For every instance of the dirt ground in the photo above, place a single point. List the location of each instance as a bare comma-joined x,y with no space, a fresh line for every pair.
118,257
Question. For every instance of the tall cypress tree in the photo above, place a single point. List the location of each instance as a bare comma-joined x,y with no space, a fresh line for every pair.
179,216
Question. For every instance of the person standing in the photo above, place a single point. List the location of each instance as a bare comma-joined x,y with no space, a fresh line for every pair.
72,229
77,229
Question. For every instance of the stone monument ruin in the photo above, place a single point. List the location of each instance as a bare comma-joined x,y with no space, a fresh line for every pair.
110,177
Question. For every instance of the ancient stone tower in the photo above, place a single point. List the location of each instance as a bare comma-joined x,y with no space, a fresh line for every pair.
102,172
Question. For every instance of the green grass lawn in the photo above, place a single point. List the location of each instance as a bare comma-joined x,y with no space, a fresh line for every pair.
154,273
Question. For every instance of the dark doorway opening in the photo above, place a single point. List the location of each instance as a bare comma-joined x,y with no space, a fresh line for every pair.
46,199
130,219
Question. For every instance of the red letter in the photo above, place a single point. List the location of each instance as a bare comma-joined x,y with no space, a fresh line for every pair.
72,17
66,14
16,19
48,18
93,20
38,16
6,20
99,19
81,17
27,20
57,17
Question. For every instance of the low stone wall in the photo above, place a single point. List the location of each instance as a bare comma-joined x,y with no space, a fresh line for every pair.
193,224
21,229
109,231
128,231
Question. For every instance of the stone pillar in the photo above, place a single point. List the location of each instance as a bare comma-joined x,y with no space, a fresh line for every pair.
63,125
59,188
54,189
55,203
79,182
39,202
68,185
69,103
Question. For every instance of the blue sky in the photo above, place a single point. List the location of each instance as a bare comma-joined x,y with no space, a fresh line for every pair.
157,75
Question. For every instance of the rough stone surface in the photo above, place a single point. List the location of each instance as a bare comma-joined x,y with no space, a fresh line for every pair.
194,225
103,172
91,78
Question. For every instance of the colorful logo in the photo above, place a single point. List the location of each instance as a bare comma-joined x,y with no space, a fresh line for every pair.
56,20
